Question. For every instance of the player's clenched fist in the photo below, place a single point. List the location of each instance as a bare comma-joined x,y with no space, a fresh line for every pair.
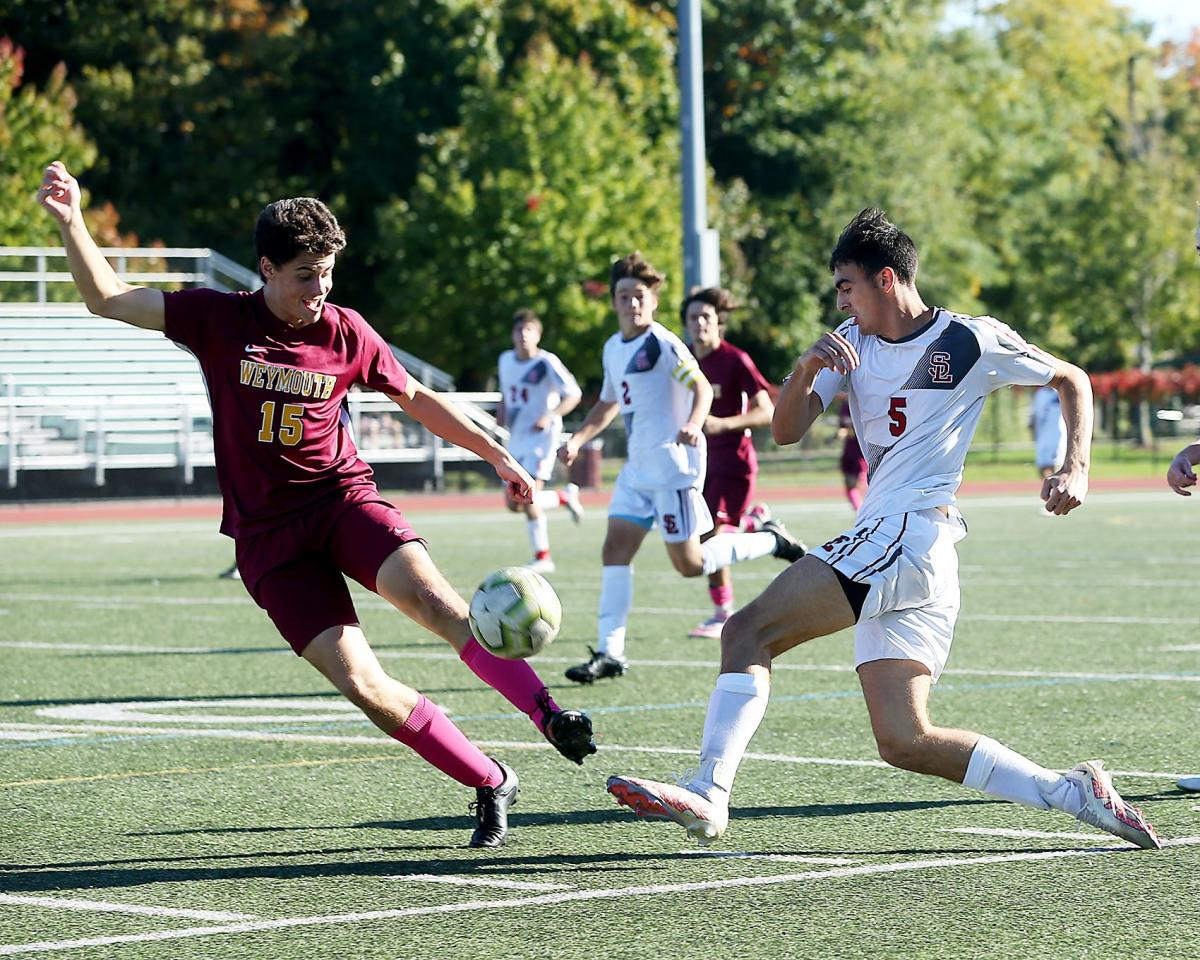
833,351
1181,474
59,192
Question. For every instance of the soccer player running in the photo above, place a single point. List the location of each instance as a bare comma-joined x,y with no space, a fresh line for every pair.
300,505
740,402
653,380
1181,475
916,378
537,391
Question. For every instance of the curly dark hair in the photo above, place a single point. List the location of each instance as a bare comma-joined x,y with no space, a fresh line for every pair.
293,226
873,242
638,267
719,298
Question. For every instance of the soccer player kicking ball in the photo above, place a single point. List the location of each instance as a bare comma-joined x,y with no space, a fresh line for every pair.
916,377
740,401
652,379
300,505
537,392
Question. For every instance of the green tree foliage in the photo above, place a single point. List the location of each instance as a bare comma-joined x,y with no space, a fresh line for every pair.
36,126
549,178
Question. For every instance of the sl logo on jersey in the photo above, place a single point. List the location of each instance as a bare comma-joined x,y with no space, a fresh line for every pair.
939,367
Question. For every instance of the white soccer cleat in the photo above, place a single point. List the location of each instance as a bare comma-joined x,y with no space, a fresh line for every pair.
710,628
541,565
570,500
1188,783
703,819
1104,808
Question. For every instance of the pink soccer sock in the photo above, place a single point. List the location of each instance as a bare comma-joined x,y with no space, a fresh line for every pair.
722,596
854,495
515,680
434,737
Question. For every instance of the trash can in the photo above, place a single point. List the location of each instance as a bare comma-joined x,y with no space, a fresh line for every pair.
585,471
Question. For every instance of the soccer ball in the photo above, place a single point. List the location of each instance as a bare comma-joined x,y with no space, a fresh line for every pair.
515,612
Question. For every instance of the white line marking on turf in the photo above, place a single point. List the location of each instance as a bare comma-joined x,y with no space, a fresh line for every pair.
377,740
770,857
1180,648
1032,834
480,882
574,896
34,735
99,906
100,647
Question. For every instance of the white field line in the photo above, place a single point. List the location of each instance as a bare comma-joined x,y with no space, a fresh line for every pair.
1181,648
1031,834
100,906
426,655
480,882
377,740
769,857
551,899
34,735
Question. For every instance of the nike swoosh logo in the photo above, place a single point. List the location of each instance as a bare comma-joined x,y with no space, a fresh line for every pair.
250,348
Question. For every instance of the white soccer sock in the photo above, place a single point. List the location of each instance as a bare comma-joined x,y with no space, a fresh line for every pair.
547,499
735,709
1001,772
726,549
616,597
539,534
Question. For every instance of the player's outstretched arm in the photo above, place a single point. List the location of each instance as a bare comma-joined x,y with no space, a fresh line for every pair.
443,418
798,405
1180,474
1065,490
599,417
105,294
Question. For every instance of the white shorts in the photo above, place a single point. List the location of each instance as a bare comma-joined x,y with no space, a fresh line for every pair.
910,565
680,514
536,458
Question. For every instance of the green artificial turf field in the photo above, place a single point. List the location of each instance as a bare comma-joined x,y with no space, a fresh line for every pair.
175,783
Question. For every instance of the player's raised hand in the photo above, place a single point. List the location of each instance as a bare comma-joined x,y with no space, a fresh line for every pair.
1180,474
1064,491
833,351
59,192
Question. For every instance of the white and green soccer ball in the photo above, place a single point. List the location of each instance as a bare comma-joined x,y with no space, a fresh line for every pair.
515,613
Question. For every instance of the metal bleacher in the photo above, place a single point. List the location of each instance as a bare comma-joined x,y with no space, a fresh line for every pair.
85,393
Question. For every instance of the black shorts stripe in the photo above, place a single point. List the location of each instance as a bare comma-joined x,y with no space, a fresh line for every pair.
856,593
889,555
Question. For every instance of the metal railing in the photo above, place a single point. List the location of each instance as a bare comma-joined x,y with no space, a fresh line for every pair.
95,436
207,268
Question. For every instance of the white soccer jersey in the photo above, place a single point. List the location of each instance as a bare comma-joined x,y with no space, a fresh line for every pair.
531,389
916,403
650,377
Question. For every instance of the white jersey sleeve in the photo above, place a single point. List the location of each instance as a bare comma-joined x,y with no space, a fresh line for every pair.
567,385
1011,360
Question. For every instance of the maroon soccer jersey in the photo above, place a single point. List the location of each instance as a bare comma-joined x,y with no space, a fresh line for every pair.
735,379
280,426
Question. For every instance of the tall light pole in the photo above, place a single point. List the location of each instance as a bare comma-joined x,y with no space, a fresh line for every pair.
701,250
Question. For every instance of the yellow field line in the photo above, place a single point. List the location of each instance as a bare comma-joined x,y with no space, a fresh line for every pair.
174,771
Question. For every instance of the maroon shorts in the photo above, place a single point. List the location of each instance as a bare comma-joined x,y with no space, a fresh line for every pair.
295,572
854,464
728,496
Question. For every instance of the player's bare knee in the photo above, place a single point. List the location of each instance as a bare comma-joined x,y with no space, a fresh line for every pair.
903,751
742,643
687,566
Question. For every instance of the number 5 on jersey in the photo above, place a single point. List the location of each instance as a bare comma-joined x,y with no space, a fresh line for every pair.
897,415
291,426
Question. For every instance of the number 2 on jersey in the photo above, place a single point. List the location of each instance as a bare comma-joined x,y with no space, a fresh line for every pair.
898,417
291,426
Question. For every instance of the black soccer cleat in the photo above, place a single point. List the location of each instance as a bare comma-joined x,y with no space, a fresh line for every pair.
787,547
491,809
570,733
600,667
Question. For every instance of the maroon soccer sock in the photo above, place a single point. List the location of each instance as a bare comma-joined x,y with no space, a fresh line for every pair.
436,739
515,680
